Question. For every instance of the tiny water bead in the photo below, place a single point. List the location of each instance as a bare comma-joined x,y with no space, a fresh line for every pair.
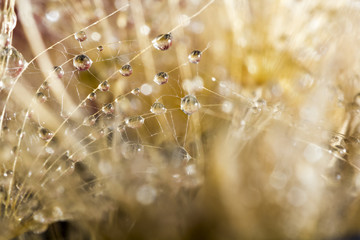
161,78
90,121
100,48
108,109
9,20
80,36
12,62
104,86
59,71
158,108
136,91
190,104
41,97
195,56
92,96
82,62
134,121
45,134
126,70
162,42
4,40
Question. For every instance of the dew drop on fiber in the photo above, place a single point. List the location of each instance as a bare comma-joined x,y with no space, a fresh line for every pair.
134,121
189,104
108,109
126,70
161,78
194,57
82,62
59,71
104,86
92,96
80,36
45,133
162,42
158,108
12,62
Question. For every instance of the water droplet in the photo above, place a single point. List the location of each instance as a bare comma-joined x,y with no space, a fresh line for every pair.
190,104
4,40
136,91
179,157
146,194
9,20
132,150
162,42
82,62
100,48
41,97
158,108
80,36
260,103
195,56
227,106
12,62
108,109
161,78
134,122
121,128
92,96
104,86
45,133
126,70
90,121
59,71
38,228
357,99
45,85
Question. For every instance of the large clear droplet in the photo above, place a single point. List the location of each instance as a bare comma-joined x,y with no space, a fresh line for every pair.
162,42
195,56
59,71
104,86
82,62
9,20
136,91
126,70
179,157
12,62
90,121
45,134
161,78
108,109
41,97
158,108
4,40
134,122
92,96
80,36
190,104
